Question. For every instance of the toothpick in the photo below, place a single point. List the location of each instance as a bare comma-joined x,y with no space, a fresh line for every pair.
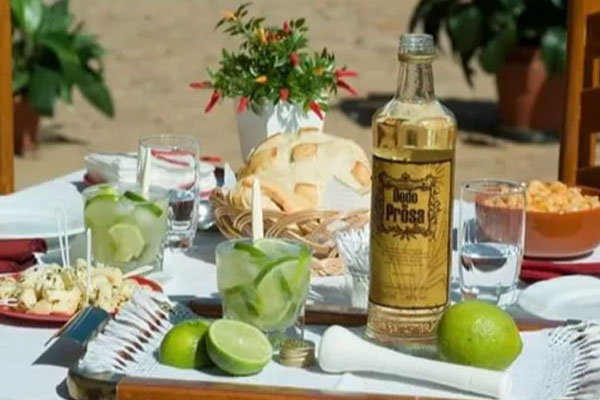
257,212
66,236
88,268
60,237
146,174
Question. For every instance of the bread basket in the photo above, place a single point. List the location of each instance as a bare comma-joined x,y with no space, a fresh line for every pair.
316,228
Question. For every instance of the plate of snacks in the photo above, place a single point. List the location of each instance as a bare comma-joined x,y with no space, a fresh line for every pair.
562,221
52,293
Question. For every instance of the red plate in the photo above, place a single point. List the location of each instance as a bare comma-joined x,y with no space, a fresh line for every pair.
62,318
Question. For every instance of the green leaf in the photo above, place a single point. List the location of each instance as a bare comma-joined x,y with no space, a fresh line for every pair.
554,50
56,17
20,80
28,14
97,93
43,88
495,50
465,27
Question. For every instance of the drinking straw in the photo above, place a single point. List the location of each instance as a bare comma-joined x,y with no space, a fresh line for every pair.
257,212
146,173
60,237
88,267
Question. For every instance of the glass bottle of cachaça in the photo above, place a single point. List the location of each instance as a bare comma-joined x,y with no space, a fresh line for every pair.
413,171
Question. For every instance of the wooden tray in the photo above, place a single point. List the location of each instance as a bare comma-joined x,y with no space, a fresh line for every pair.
83,386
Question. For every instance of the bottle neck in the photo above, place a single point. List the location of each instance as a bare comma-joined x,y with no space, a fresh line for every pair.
415,82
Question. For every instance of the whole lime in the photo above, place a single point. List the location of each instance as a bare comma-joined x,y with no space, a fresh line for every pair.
479,334
184,346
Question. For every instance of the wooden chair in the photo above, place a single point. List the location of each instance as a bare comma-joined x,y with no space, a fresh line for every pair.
582,110
6,102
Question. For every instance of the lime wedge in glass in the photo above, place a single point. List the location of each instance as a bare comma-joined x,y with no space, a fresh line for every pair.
276,248
238,348
250,249
137,198
273,294
241,299
127,242
105,198
134,196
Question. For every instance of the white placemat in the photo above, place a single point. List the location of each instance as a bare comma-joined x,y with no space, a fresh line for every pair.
554,363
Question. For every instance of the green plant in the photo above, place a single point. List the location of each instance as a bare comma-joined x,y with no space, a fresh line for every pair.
489,29
272,65
51,55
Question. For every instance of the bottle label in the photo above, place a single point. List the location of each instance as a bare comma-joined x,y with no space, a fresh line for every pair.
410,233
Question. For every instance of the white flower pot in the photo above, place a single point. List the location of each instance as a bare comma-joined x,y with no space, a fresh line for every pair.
283,117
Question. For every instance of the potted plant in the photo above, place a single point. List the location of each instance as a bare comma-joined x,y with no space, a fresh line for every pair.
51,55
276,84
523,42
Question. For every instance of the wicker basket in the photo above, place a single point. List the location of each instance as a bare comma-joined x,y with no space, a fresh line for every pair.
316,228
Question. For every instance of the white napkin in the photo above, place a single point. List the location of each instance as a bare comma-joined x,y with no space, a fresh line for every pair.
122,168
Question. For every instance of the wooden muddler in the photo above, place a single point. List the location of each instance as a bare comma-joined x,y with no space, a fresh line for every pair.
342,351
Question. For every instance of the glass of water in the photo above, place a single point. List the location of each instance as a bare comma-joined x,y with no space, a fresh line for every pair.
491,237
173,163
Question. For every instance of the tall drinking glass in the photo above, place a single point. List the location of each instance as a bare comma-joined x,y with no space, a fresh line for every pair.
491,237
173,161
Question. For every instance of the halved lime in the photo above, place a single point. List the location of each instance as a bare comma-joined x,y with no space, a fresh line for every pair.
250,249
127,242
184,346
238,348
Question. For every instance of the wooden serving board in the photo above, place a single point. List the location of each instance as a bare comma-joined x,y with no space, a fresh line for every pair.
119,387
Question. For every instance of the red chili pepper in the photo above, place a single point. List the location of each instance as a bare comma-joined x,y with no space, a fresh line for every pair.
316,108
346,86
201,85
214,98
284,94
286,28
341,73
294,59
242,105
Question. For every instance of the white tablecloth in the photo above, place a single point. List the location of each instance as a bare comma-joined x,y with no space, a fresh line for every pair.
27,369
30,370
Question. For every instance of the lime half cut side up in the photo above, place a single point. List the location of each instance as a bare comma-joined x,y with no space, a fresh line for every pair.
127,242
238,348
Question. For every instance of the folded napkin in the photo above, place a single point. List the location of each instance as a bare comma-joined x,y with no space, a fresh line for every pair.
16,255
169,169
533,270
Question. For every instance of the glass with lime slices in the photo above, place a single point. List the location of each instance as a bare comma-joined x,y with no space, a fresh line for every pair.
128,230
265,283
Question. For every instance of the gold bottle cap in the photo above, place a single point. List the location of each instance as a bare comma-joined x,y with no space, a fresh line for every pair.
297,353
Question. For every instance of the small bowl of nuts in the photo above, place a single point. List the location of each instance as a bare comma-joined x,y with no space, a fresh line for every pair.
562,221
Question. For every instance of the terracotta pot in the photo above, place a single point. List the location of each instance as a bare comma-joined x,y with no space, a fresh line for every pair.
529,98
26,122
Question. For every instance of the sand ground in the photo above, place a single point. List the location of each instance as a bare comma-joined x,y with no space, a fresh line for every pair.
156,47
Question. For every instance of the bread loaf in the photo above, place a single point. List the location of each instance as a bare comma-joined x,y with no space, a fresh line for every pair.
295,169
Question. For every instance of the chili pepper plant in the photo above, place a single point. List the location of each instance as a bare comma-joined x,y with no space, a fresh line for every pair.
272,65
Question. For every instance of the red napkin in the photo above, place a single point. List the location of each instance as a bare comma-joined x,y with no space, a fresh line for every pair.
533,270
16,255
